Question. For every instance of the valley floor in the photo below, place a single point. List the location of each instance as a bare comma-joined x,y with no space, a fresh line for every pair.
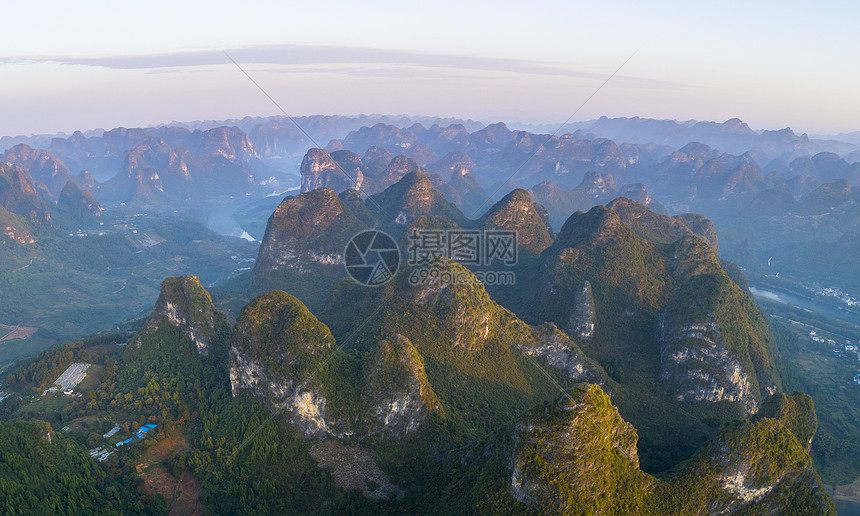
812,345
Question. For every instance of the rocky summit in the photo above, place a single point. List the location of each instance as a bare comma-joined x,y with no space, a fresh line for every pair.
185,305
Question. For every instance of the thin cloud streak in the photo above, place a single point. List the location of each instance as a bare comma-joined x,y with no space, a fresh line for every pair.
303,55
316,58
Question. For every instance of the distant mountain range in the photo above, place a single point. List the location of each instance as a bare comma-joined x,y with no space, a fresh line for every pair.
674,160
732,136
764,181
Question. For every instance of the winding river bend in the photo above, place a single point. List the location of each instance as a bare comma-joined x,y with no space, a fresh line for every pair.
849,315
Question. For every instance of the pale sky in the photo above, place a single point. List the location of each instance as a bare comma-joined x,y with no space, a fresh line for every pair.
773,64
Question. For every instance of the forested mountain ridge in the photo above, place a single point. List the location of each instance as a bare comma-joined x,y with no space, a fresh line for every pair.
407,373
326,396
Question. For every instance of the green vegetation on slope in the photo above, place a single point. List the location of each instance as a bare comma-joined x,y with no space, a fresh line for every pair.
78,285
816,370
579,457
651,298
478,370
44,472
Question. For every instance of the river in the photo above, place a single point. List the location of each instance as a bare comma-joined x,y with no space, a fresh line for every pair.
846,508
792,298
222,221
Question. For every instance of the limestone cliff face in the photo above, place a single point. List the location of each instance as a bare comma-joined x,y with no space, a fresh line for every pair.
658,228
309,230
278,352
700,226
582,313
762,466
580,456
80,203
396,170
697,365
474,323
150,171
516,212
714,342
639,193
622,273
376,159
227,142
178,166
607,154
397,389
465,184
284,356
14,228
597,185
184,304
40,165
411,197
320,170
352,166
560,352
144,162
19,195
453,162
